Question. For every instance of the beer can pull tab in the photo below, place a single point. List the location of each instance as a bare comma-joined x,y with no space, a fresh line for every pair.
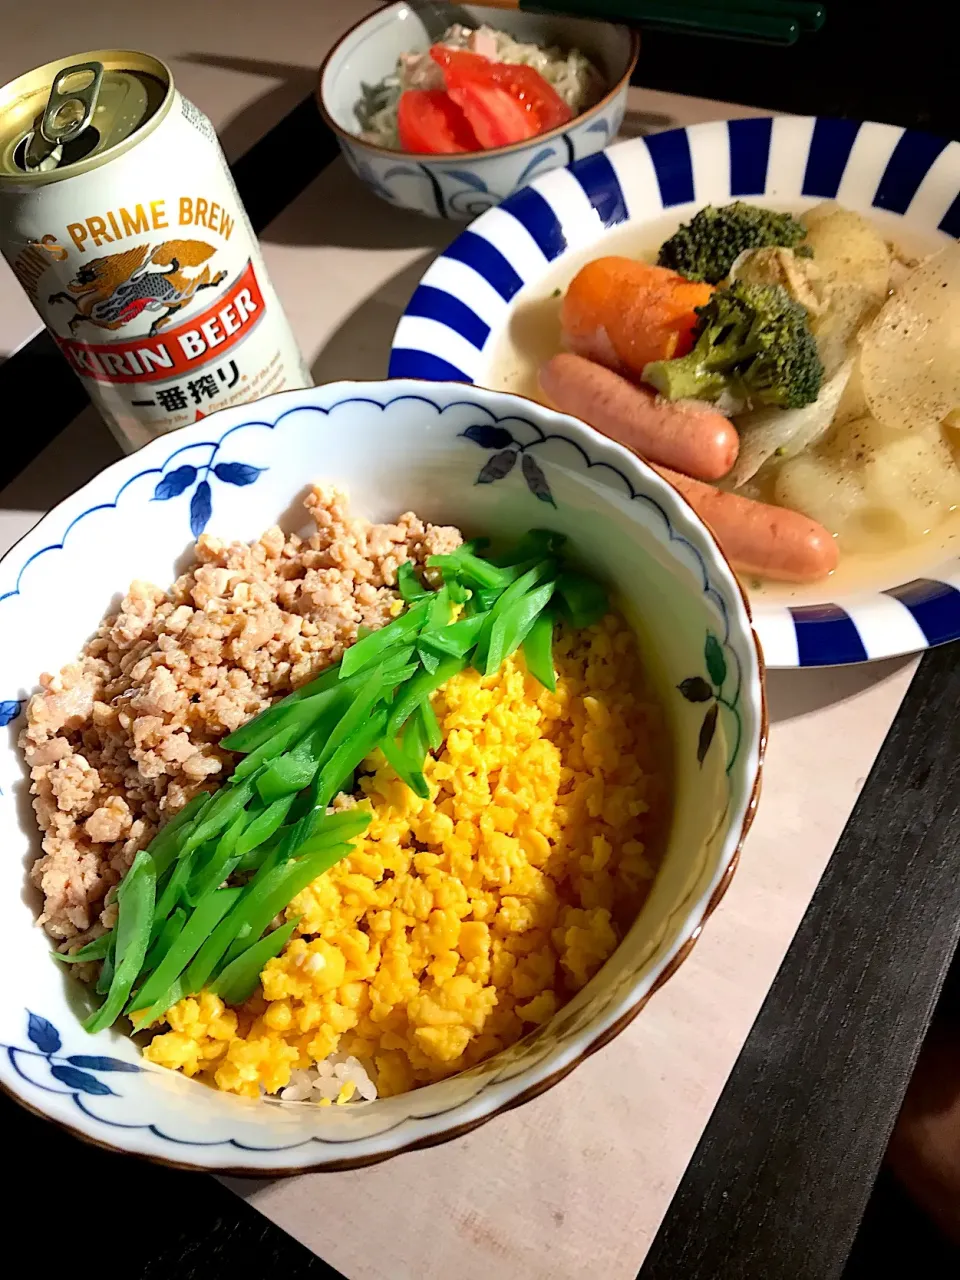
69,110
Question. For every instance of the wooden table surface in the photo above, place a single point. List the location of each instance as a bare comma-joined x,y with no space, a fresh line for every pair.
582,1178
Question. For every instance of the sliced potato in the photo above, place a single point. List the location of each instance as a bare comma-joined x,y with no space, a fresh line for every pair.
875,488
910,355
854,264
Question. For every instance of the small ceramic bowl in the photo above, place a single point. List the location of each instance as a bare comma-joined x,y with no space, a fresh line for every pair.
462,186
395,446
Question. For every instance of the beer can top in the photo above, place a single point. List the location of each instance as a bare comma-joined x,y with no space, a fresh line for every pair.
78,113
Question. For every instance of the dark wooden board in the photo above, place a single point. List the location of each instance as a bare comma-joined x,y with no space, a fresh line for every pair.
839,1037
779,1182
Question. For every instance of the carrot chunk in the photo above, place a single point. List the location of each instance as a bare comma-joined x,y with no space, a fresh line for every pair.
624,313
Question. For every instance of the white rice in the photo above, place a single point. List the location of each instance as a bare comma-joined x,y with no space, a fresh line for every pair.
327,1081
571,73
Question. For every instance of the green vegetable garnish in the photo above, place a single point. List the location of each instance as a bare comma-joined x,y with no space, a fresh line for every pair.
468,567
418,688
514,592
202,920
267,895
408,584
134,921
431,725
163,939
346,759
95,950
511,627
264,825
335,828
374,647
262,727
538,651
237,981
585,600
105,978
396,759
221,864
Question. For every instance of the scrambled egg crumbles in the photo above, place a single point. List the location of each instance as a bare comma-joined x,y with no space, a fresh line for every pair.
461,922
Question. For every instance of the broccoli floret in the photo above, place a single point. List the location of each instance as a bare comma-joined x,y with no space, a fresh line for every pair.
751,340
706,248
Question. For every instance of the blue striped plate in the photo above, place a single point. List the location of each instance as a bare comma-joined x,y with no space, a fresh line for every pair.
458,314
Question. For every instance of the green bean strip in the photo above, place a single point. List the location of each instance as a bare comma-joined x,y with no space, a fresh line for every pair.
292,772
95,950
225,807
267,723
414,745
482,601
516,591
303,717
418,688
455,640
134,921
462,564
336,828
203,920
282,740
277,889
585,599
408,584
173,995
431,725
346,758
264,825
355,717
253,859
166,843
105,977
375,646
239,979
174,890
535,544
538,650
429,660
163,939
398,762
211,874
440,611
511,627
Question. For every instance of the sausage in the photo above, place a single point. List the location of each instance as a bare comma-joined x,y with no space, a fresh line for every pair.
683,434
771,542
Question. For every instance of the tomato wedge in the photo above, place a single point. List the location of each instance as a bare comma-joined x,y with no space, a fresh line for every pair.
428,120
496,117
503,102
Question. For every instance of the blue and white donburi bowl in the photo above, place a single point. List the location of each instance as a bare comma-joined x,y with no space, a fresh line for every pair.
490,463
909,182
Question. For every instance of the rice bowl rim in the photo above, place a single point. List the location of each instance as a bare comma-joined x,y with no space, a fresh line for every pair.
690,927
461,156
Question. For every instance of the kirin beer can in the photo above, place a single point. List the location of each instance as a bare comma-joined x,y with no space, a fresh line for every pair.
121,220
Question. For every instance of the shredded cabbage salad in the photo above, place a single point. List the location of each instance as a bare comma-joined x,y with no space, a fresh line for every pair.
571,74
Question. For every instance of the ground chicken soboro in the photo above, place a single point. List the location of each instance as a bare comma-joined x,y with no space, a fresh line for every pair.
120,740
